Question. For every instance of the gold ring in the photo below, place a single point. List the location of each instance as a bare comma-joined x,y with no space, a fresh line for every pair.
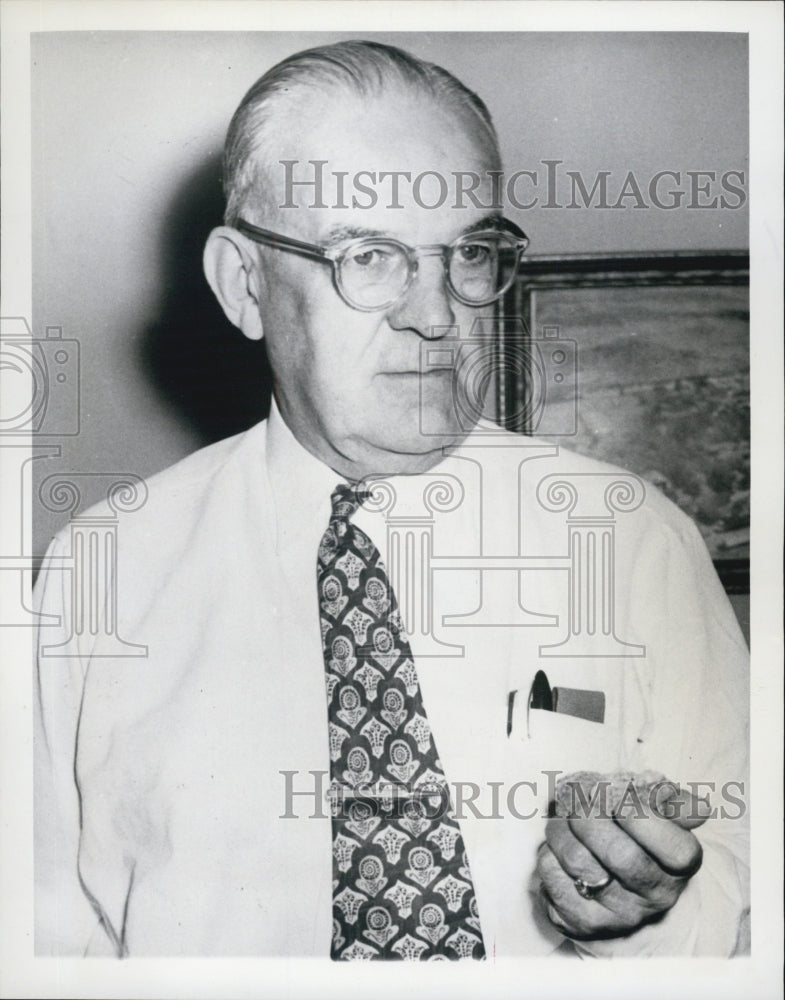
591,890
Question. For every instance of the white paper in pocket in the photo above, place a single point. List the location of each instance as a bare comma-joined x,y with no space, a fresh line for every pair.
558,742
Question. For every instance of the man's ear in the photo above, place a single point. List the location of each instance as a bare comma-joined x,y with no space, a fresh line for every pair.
235,279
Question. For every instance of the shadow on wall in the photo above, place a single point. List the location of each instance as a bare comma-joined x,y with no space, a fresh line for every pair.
216,380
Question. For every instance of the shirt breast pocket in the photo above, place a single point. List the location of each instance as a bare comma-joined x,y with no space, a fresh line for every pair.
556,742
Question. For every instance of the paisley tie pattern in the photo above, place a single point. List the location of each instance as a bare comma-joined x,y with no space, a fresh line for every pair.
401,882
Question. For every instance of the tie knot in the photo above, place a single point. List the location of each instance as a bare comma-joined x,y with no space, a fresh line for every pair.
345,501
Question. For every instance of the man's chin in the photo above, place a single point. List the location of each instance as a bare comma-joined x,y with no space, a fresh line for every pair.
421,412
417,451
440,428
407,442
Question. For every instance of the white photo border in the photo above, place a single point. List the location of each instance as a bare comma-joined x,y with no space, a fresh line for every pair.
23,975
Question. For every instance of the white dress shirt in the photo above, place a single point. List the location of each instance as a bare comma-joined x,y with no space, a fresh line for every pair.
163,825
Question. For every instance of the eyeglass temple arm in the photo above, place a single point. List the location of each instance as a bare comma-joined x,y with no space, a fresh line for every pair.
518,233
269,238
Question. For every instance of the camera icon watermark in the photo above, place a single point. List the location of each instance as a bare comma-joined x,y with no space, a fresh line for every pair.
39,381
499,373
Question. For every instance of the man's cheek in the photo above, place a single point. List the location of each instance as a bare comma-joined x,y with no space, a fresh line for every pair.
438,407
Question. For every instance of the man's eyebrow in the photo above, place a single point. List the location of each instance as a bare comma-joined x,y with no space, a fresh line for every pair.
338,234
494,221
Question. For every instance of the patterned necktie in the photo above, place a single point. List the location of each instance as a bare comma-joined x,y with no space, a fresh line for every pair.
401,882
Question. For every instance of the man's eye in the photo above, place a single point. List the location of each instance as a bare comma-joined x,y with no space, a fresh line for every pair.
475,253
371,257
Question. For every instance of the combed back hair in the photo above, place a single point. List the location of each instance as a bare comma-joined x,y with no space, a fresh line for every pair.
365,68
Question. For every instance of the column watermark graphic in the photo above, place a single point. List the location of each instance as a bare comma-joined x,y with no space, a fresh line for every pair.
92,563
591,503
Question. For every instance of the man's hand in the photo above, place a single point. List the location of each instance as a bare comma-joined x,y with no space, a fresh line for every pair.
605,876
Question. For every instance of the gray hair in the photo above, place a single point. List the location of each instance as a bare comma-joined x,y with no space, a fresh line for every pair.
365,67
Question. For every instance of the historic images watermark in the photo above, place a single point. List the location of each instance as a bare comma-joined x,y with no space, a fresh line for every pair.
311,795
498,355
475,359
39,402
40,393
306,183
46,405
41,384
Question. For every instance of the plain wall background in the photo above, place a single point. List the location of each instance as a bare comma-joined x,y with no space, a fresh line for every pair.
127,134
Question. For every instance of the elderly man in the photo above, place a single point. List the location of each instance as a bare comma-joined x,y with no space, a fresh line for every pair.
342,739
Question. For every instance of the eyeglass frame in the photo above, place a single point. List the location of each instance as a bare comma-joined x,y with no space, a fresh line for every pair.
335,256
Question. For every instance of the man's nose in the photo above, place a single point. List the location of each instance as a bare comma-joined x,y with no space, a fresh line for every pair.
426,306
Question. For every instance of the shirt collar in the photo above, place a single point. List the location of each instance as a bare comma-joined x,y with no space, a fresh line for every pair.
301,487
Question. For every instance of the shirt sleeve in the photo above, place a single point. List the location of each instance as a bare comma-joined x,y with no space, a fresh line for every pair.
697,731
65,921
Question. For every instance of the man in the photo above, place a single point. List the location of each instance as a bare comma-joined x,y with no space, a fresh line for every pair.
181,795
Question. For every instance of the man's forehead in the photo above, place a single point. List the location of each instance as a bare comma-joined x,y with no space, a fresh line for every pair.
383,166
426,222
395,122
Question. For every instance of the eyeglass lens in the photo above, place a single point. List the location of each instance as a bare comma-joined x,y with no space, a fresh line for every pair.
376,272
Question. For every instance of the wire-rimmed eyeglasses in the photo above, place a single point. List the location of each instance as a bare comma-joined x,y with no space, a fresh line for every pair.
372,272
